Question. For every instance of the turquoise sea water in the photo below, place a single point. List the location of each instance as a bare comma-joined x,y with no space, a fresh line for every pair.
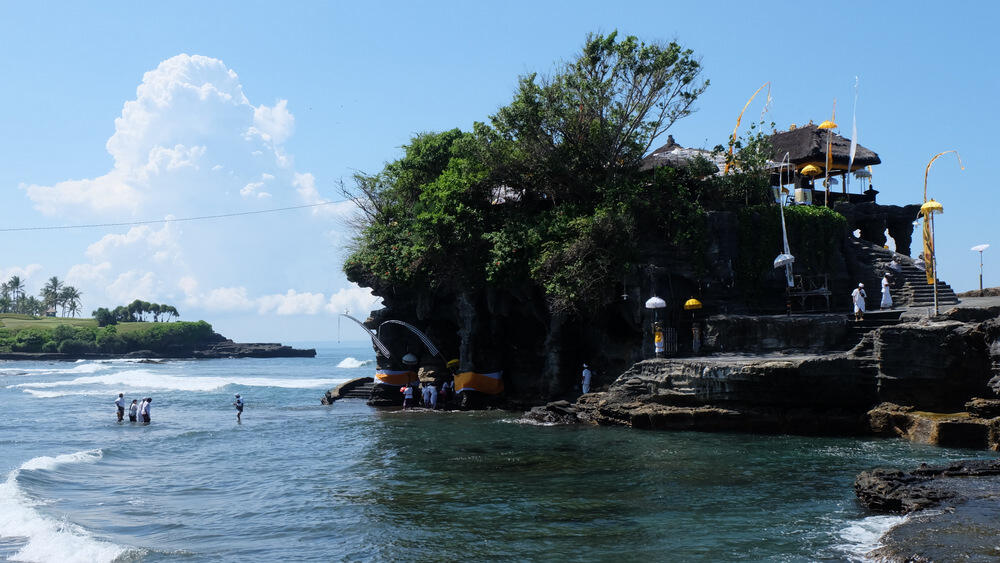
298,481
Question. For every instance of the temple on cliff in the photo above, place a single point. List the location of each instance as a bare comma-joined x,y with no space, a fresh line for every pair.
800,158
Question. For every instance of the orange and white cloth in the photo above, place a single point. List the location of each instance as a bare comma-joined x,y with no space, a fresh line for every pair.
394,377
489,383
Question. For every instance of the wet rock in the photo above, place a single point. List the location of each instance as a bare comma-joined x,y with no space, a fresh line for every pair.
557,412
964,517
957,429
983,408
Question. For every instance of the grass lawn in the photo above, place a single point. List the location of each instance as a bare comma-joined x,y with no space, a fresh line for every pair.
17,322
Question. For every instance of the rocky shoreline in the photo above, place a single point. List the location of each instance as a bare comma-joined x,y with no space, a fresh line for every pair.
955,511
220,348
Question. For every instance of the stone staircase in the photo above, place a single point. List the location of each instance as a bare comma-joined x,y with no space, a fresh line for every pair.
872,321
911,288
360,388
363,391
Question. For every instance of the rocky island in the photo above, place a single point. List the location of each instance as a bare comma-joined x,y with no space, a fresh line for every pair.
551,239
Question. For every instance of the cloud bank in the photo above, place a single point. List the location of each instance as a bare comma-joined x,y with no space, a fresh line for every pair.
191,143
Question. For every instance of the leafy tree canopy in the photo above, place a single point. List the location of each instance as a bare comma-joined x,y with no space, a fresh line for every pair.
548,192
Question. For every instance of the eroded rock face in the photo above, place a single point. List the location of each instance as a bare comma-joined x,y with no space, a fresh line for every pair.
912,380
957,429
933,366
806,395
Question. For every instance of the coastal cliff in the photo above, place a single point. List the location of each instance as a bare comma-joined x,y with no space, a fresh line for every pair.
934,381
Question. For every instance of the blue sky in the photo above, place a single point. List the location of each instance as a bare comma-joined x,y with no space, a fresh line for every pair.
301,95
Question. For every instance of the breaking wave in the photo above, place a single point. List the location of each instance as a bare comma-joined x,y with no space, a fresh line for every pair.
351,363
45,538
153,381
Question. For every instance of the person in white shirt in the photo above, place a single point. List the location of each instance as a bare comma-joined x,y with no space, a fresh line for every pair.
239,407
886,297
433,403
858,296
586,378
120,404
133,410
407,395
144,410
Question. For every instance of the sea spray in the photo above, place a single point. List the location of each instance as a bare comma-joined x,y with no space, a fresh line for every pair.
46,538
351,363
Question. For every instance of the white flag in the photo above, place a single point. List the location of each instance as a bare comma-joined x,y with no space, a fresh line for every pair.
854,131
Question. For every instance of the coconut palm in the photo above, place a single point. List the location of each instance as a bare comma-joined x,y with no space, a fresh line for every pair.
16,287
70,297
52,293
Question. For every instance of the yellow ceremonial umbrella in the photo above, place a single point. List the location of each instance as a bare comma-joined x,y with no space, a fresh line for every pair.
931,207
928,209
811,170
827,125
692,304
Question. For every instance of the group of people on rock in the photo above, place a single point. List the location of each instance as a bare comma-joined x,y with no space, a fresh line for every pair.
137,412
431,395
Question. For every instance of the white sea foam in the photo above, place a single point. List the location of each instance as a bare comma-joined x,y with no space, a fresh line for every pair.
64,393
156,381
862,536
88,367
351,363
49,539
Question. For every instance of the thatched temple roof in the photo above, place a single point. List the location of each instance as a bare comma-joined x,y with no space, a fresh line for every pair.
807,145
676,156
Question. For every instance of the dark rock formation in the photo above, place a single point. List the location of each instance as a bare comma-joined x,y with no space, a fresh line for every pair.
964,524
873,220
229,349
556,412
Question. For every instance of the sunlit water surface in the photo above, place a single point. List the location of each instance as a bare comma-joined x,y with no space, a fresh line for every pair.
298,481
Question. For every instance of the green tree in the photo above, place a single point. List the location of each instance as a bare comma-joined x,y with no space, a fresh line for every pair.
70,297
51,293
104,317
593,120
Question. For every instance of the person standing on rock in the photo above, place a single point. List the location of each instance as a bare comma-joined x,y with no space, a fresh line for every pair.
858,296
585,379
238,403
120,406
407,392
886,297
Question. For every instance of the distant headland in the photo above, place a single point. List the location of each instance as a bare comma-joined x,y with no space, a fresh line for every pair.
28,337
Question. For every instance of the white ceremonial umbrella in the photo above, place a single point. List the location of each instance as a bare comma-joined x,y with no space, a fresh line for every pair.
980,248
655,303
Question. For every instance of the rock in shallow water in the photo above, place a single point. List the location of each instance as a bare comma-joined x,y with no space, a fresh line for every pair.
956,511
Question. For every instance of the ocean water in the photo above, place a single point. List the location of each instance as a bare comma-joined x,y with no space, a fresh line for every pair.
299,481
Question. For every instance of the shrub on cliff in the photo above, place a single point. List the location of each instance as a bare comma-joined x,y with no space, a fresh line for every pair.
814,235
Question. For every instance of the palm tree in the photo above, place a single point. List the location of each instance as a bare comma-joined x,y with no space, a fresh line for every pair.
70,296
52,293
16,287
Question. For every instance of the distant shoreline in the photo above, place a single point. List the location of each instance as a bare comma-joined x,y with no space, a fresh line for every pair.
218,350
